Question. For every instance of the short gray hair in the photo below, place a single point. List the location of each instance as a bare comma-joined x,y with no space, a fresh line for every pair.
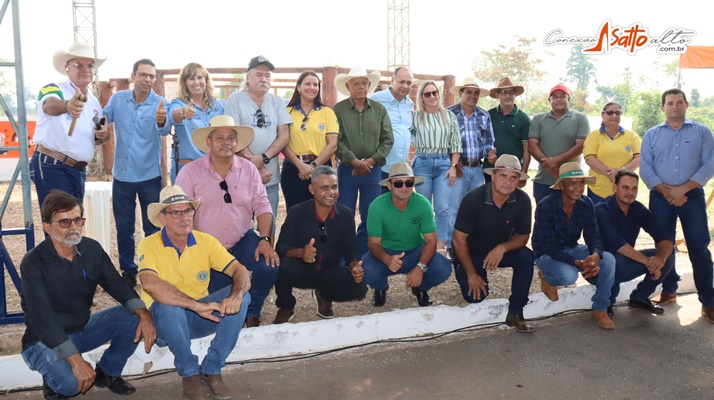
322,170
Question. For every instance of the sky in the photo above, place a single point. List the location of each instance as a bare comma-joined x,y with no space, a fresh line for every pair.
446,36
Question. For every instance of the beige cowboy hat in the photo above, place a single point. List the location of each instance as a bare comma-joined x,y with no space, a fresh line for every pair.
169,196
357,72
507,162
505,83
76,50
244,134
571,170
470,81
401,170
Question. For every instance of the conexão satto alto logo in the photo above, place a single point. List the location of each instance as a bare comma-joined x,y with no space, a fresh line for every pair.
630,38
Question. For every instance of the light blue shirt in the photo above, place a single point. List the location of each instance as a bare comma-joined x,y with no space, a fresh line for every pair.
400,115
138,138
675,157
184,129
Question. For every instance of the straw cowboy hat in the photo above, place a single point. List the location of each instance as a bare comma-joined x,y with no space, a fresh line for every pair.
571,170
507,162
169,196
505,83
244,134
401,170
357,72
76,50
470,81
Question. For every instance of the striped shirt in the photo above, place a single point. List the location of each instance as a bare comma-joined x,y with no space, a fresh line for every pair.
431,135
476,133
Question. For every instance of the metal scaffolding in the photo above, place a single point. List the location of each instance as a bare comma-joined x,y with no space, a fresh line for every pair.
397,34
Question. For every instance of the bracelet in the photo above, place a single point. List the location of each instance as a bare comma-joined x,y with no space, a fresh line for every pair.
181,112
65,105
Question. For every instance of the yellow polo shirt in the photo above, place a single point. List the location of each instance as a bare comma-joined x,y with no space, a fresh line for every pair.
187,271
614,153
311,140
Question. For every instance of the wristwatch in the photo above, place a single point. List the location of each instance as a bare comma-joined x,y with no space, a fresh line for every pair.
266,159
313,164
422,266
266,238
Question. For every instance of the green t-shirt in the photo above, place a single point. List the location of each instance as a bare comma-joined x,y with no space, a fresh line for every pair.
400,231
510,131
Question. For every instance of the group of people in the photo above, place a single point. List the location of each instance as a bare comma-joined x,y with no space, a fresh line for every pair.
207,262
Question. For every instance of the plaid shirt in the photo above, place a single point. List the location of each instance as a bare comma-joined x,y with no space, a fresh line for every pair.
554,231
476,133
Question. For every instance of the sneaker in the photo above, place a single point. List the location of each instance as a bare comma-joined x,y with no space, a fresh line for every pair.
324,307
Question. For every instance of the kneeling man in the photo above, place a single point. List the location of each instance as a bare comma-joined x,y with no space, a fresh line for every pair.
402,239
174,266
491,231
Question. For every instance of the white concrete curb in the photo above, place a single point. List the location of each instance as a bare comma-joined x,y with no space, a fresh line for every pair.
307,337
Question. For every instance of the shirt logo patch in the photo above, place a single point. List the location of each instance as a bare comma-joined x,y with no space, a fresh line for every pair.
202,275
141,258
415,221
628,148
321,127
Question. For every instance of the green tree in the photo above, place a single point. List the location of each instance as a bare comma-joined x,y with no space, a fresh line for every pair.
694,98
621,92
581,68
703,115
579,102
645,111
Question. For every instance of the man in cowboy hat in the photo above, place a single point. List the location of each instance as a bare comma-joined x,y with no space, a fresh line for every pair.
265,112
510,124
560,219
60,159
402,239
365,139
139,118
174,266
491,231
476,143
318,248
399,107
555,137
59,280
232,194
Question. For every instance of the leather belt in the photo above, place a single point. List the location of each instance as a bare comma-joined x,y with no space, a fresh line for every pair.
78,165
306,158
471,164
185,161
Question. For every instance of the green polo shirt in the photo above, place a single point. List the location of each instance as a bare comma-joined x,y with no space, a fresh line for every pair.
400,231
557,136
363,134
509,131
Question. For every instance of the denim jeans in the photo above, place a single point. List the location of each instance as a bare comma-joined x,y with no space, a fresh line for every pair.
540,191
274,199
693,217
113,324
472,179
48,174
595,198
263,277
376,273
295,190
176,326
368,188
628,269
433,168
520,260
558,273
124,204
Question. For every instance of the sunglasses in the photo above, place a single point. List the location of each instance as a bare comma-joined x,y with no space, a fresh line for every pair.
435,93
227,196
507,92
303,126
323,232
399,184
177,214
65,223
610,112
261,118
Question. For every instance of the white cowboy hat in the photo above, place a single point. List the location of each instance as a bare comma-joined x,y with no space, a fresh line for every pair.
357,72
470,81
244,134
76,50
571,170
401,170
507,162
169,196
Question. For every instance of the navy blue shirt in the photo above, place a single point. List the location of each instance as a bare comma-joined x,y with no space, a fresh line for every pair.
618,229
553,231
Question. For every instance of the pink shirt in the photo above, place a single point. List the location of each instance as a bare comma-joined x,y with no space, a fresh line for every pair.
227,222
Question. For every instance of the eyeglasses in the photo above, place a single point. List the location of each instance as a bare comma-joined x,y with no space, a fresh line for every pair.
65,223
435,93
229,138
227,196
304,125
399,184
144,75
261,118
611,112
507,92
177,214
323,232
83,66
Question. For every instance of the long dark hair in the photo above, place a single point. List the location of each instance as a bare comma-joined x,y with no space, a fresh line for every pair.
295,100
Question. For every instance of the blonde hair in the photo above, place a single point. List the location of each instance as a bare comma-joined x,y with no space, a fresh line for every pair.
186,72
421,110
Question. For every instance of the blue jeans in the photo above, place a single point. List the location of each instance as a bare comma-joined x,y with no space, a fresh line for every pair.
472,179
113,324
558,273
628,269
693,217
124,204
48,173
176,326
368,188
274,199
376,273
540,191
595,198
520,260
263,277
433,168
